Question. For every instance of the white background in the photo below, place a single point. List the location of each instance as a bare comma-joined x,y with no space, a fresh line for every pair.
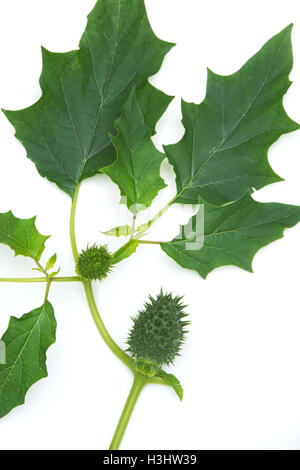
241,362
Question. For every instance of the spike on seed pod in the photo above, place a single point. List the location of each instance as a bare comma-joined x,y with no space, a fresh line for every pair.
158,333
94,263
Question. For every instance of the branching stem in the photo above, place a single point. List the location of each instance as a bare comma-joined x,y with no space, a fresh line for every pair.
90,296
40,267
139,380
141,231
40,279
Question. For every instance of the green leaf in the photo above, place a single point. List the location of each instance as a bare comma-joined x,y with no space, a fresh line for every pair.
125,251
66,133
137,168
171,380
21,236
232,234
55,273
51,262
27,340
224,150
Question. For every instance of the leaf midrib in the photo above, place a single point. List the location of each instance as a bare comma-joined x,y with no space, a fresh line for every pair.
17,242
8,235
102,95
239,229
85,156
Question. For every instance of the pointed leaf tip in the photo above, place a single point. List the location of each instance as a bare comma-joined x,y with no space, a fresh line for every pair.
137,168
173,382
227,137
27,340
66,133
22,236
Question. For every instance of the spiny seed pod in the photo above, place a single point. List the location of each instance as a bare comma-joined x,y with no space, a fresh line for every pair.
158,333
94,263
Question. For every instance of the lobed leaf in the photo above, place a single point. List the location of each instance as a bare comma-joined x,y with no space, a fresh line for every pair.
152,103
224,150
21,235
137,168
232,234
66,133
27,340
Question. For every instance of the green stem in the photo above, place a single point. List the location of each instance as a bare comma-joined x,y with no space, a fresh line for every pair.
72,224
41,268
49,281
40,279
149,242
91,299
102,329
133,226
164,209
138,385
155,218
139,380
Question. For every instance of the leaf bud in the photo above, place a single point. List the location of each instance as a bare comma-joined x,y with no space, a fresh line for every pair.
94,263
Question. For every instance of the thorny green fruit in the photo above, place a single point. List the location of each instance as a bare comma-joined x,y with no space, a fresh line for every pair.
94,263
158,333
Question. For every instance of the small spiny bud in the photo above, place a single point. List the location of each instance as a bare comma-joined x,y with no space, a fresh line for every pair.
94,263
